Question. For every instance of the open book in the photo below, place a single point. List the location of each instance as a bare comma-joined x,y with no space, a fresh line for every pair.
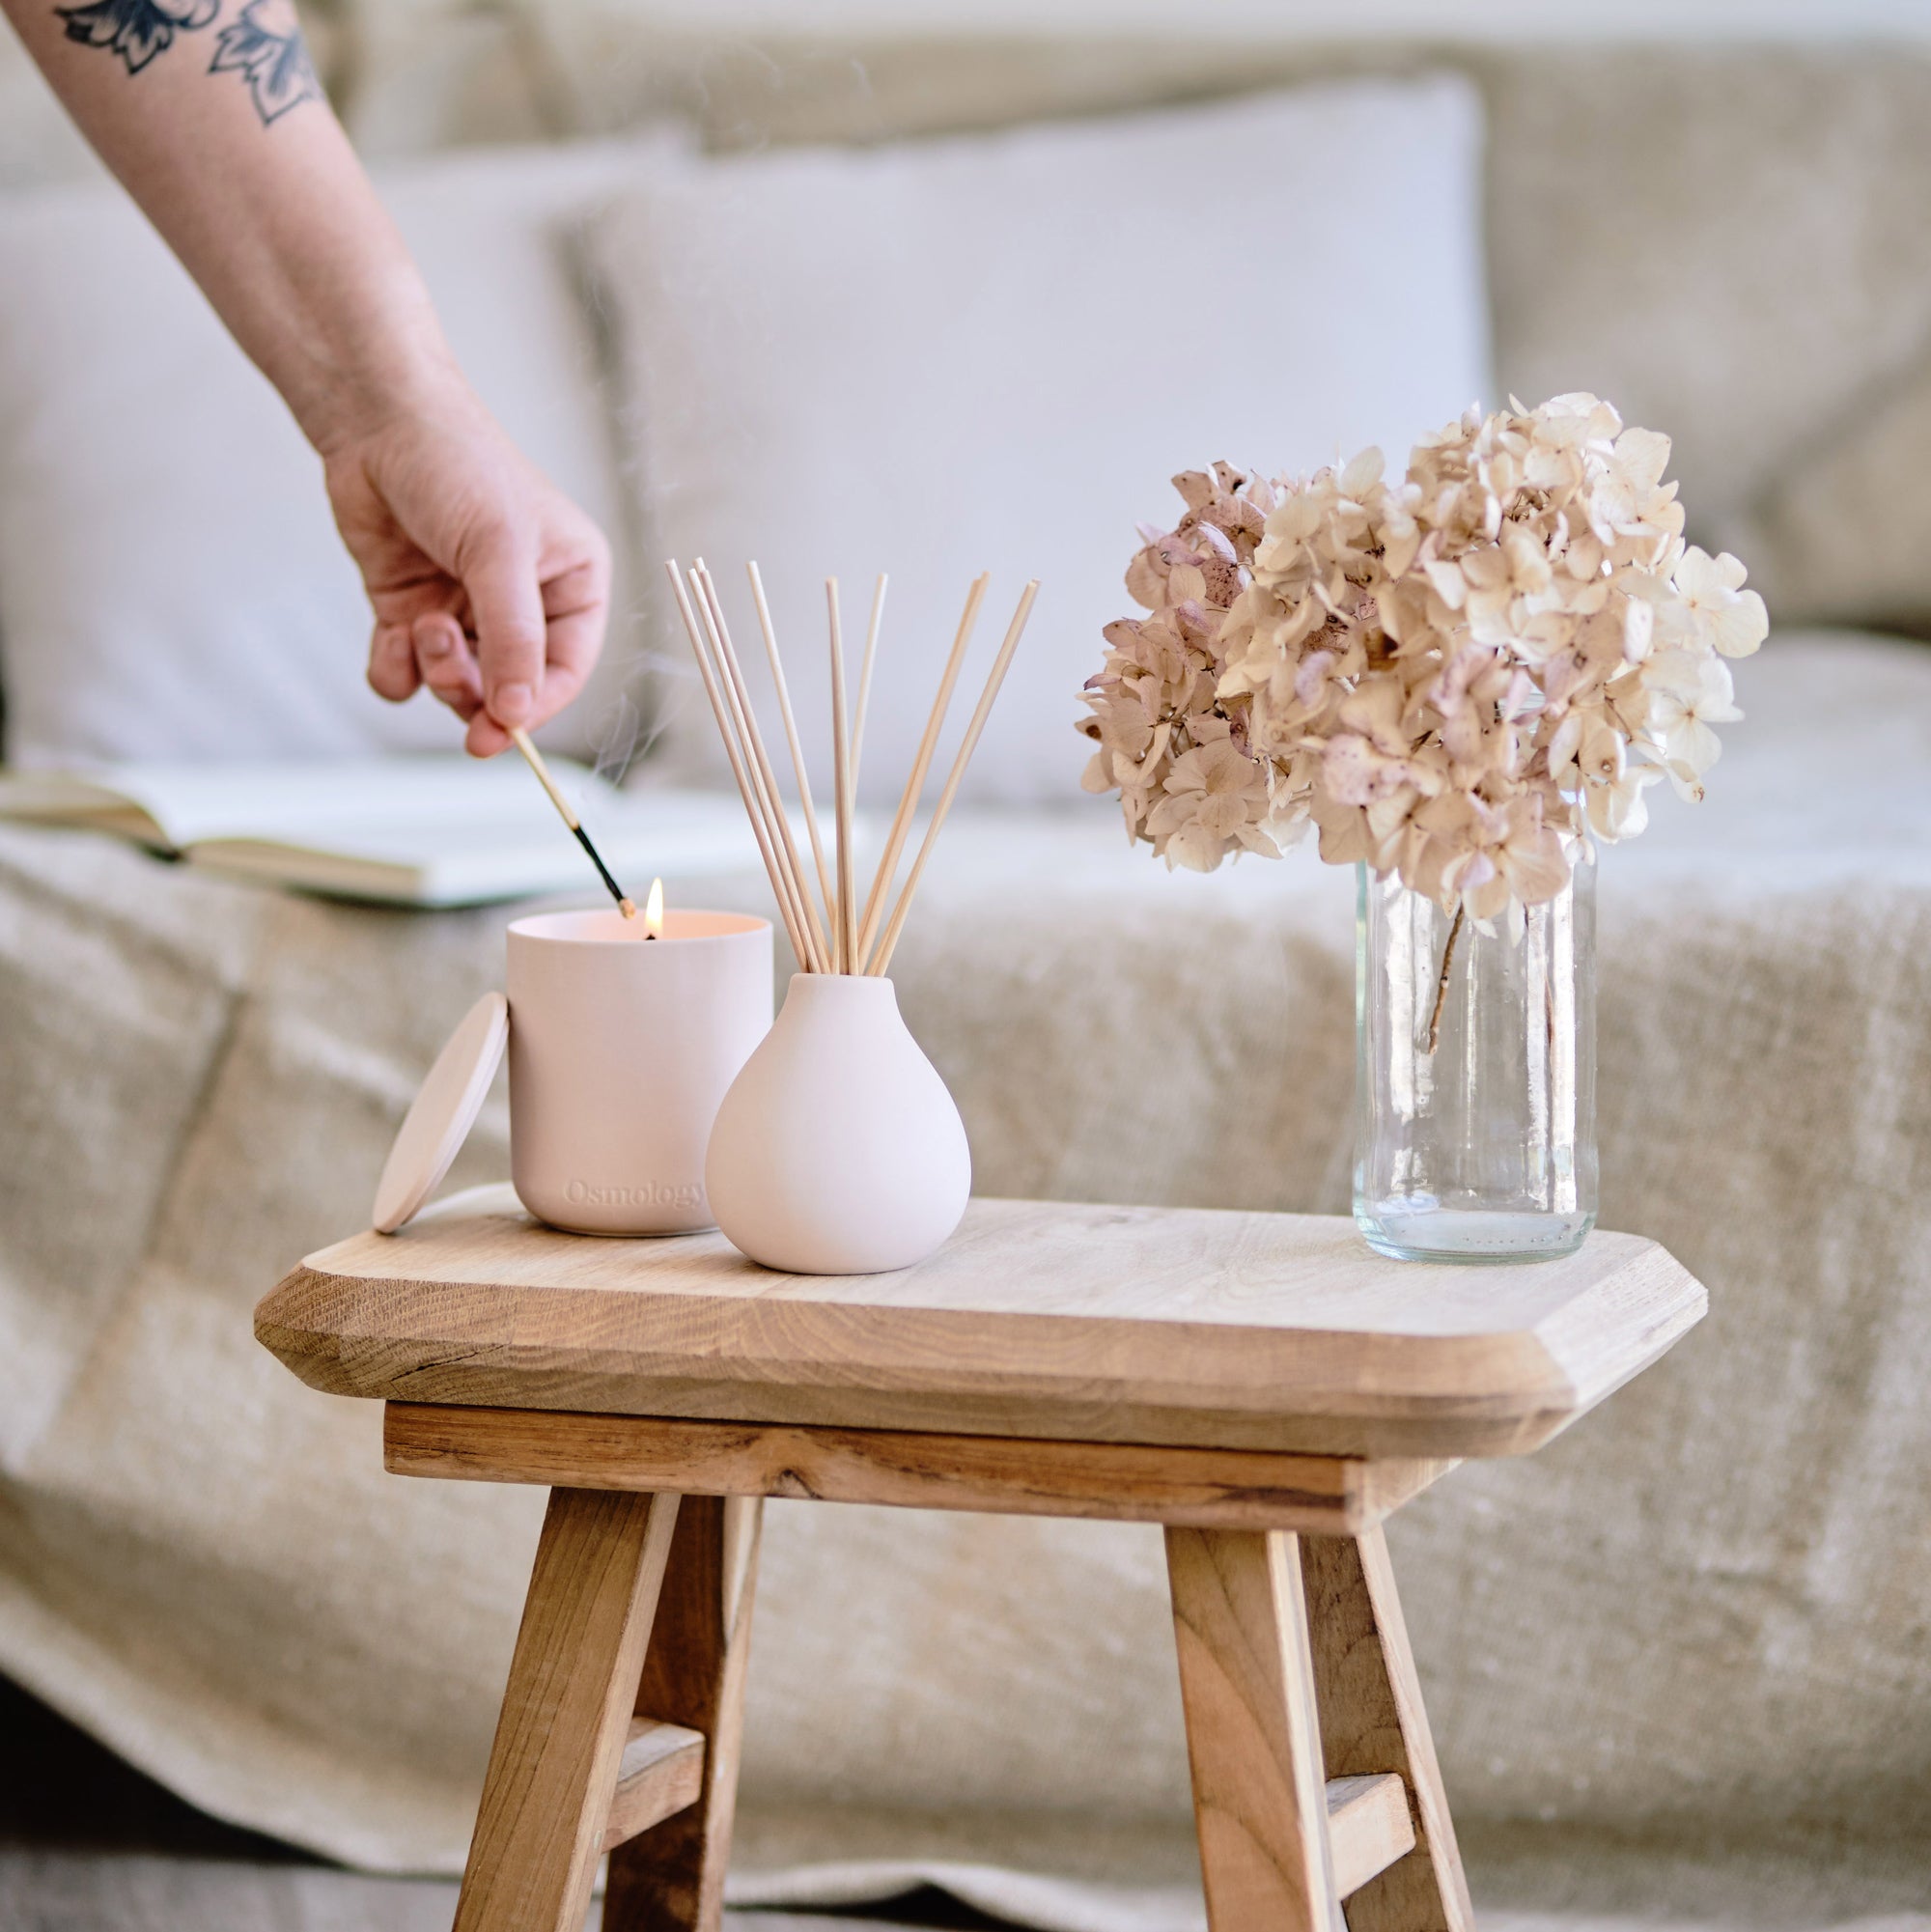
446,830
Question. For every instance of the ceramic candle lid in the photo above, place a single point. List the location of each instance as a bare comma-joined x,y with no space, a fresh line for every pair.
442,1113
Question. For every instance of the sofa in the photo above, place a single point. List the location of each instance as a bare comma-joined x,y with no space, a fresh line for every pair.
1679,1663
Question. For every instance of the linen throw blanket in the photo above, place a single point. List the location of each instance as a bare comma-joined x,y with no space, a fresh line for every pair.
1678,1662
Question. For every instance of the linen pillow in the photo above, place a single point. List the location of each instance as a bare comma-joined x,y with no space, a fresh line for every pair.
1841,539
992,353
171,581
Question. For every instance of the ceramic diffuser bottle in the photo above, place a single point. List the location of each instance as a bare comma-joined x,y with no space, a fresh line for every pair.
838,1149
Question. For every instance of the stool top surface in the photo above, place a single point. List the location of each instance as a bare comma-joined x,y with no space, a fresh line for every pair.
1101,1324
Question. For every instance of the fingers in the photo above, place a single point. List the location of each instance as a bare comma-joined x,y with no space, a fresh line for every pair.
392,662
447,663
573,598
491,587
506,599
485,737
576,604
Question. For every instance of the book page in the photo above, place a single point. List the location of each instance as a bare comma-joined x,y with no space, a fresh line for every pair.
472,859
318,803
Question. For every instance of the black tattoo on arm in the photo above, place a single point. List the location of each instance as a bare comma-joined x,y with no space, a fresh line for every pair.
264,44
138,30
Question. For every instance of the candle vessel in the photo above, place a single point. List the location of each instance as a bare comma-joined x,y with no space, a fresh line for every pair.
621,1050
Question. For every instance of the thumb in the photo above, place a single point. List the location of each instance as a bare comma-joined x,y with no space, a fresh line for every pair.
506,601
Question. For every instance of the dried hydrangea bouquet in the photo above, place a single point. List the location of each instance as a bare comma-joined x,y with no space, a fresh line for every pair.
1462,679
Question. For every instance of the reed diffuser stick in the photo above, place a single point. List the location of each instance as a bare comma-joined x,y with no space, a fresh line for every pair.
888,861
760,765
853,946
865,680
846,945
735,713
966,746
766,851
534,759
798,763
764,781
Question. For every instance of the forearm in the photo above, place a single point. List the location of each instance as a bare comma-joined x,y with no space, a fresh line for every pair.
210,115
484,582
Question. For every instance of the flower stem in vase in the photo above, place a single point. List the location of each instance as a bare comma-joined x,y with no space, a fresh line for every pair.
1441,984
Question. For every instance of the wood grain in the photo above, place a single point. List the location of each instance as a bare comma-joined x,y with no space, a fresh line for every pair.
1372,1720
1122,1482
566,1712
671,1877
1368,1828
1037,1319
660,1771
1260,1802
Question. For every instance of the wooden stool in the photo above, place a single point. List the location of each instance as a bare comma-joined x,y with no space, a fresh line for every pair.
1260,1385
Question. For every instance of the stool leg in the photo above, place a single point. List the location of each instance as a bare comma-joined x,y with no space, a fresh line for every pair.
671,1878
553,1764
1372,1720
1260,1800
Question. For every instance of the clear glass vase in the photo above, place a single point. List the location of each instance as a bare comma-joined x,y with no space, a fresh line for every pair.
1476,1075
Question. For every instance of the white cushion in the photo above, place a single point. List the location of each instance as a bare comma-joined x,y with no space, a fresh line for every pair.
171,583
992,353
1839,536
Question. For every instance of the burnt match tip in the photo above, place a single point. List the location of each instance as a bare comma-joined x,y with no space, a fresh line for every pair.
627,906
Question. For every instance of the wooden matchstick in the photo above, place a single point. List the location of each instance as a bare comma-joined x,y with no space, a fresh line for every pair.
534,759
764,785
875,904
967,745
798,763
799,948
840,767
865,680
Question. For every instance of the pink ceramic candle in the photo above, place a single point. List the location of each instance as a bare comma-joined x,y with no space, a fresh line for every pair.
621,1049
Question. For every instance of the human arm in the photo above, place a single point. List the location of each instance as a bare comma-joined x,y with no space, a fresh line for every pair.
486,583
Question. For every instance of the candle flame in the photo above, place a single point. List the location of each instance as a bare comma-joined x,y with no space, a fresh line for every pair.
654,911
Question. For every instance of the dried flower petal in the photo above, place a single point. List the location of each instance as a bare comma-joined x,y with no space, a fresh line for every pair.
1463,674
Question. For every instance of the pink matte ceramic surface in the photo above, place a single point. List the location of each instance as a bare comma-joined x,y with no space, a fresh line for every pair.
621,1049
838,1149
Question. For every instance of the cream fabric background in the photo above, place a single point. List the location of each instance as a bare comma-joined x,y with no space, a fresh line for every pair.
1713,218
192,600
1697,1621
941,357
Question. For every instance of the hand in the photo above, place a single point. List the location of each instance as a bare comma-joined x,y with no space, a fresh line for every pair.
489,585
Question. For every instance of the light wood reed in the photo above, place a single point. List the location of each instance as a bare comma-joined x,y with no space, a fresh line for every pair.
841,769
798,765
963,757
888,859
725,731
759,801
764,781
840,942
865,677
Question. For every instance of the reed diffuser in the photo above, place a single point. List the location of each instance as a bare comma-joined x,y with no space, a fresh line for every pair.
837,1149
